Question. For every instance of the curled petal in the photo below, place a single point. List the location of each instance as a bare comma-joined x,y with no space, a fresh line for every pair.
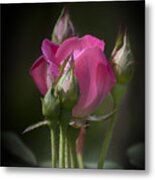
44,74
77,44
38,72
49,50
95,79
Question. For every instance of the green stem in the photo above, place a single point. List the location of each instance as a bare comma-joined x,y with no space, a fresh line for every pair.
61,147
80,146
80,160
53,147
72,135
106,142
72,154
66,153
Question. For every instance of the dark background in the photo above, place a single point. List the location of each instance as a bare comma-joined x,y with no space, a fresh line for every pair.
24,26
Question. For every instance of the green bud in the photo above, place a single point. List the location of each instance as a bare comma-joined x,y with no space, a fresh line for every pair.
63,28
122,59
67,87
50,105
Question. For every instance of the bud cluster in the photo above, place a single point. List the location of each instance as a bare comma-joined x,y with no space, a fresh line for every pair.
63,94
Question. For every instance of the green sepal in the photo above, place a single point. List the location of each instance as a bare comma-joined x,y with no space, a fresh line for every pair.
63,28
36,126
122,58
51,106
67,86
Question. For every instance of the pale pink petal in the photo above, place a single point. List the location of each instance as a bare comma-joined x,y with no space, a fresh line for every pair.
95,79
49,50
38,72
77,44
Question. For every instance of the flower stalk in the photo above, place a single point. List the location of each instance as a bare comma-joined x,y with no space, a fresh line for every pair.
106,142
53,134
80,147
67,155
73,159
72,135
62,147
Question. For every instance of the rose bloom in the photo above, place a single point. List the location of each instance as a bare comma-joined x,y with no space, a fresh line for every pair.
93,71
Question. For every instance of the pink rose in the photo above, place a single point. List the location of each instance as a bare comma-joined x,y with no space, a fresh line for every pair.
93,71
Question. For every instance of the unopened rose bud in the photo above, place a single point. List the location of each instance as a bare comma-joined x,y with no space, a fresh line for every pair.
63,28
122,59
68,88
50,105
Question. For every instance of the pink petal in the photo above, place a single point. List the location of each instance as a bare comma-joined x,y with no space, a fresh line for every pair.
91,41
51,74
95,79
44,74
49,50
38,72
77,44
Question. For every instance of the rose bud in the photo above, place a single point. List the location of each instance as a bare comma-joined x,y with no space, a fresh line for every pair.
63,28
50,105
91,68
67,86
122,58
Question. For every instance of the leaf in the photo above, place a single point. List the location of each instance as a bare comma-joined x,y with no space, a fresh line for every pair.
45,164
90,165
112,165
37,125
102,118
107,165
136,155
14,147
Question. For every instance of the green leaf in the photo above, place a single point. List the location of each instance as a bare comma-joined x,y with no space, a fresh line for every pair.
112,165
102,118
35,126
90,165
45,164
17,150
107,165
136,155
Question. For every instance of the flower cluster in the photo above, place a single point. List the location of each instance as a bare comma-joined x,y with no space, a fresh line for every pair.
74,76
92,70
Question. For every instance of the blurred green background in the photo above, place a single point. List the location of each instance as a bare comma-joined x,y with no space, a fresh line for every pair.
24,26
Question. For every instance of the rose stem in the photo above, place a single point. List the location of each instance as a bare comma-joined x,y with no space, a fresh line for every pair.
72,154
72,134
53,147
80,146
66,153
61,147
80,160
106,142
